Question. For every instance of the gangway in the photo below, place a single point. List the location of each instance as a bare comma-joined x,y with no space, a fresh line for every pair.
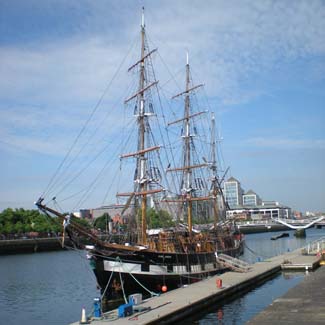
233,263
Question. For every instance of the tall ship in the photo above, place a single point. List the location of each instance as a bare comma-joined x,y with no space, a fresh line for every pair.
151,261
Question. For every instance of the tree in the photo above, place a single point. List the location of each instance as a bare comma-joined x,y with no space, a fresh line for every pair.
159,219
102,222
6,216
8,228
21,220
82,222
19,227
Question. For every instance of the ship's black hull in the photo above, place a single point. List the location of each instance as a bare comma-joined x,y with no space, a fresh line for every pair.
150,273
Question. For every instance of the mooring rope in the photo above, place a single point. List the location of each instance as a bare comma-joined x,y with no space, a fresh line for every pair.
138,282
122,284
109,280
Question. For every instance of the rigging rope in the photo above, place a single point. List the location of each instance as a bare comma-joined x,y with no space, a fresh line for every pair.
51,184
83,169
92,186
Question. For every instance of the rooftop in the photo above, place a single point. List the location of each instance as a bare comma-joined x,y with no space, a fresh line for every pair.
250,192
232,179
259,207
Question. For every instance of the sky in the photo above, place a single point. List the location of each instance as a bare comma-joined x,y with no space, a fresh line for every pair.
262,63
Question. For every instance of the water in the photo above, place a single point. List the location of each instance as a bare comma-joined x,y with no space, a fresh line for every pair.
259,247
45,288
243,308
52,288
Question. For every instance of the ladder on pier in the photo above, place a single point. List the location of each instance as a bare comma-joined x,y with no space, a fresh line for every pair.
233,263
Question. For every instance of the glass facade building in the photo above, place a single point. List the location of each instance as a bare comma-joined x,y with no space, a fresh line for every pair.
233,192
250,205
251,198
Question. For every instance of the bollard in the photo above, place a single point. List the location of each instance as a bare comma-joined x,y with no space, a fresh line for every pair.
83,317
219,283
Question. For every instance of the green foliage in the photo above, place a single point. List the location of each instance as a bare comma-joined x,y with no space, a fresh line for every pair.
102,222
82,222
21,221
19,227
8,228
159,219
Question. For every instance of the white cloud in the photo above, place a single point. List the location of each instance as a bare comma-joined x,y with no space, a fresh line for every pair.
49,93
52,75
50,88
228,43
77,71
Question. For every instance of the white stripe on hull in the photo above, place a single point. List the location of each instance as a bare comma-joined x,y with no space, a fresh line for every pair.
113,266
179,269
122,267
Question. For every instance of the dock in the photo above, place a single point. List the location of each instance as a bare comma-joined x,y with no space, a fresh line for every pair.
183,302
31,245
303,304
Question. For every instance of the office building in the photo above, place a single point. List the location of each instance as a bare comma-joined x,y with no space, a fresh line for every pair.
233,192
260,212
250,198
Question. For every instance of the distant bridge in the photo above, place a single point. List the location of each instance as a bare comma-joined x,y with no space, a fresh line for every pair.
288,222
275,224
302,223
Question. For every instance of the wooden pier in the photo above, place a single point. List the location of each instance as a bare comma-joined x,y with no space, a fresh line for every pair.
184,302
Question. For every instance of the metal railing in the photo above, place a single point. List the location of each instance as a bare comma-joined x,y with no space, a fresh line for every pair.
314,247
233,263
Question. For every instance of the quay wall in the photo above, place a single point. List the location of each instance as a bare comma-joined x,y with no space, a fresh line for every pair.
17,246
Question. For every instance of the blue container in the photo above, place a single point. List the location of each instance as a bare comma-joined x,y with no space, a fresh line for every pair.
97,308
125,310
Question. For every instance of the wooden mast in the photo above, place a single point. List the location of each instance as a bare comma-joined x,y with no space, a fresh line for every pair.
141,182
214,170
187,167
187,154
141,121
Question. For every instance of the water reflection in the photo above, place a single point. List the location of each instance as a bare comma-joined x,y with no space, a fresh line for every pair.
240,309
